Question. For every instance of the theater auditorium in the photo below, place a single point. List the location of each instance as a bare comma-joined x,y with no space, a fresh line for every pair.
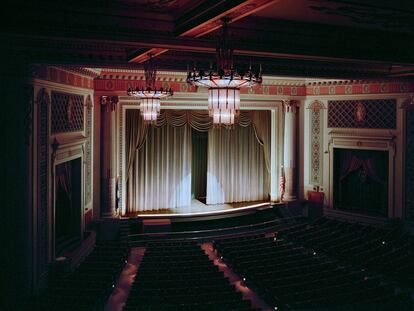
207,155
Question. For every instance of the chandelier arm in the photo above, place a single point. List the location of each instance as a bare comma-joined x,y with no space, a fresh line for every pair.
225,83
150,105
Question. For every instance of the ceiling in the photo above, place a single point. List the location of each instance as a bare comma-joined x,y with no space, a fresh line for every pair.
305,38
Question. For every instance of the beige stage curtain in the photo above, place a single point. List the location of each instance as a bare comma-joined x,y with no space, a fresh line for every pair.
235,169
161,178
261,123
136,133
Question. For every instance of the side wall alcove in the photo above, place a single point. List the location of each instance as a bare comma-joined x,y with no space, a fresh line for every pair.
62,132
367,121
353,141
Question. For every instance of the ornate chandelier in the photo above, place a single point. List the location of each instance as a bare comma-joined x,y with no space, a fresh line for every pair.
224,84
150,105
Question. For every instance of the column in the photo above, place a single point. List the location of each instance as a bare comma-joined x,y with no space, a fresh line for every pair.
108,155
289,155
273,149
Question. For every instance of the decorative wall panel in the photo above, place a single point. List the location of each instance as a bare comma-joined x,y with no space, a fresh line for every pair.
43,103
378,114
88,151
316,143
67,112
409,165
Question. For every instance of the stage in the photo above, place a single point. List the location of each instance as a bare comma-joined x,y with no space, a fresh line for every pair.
198,208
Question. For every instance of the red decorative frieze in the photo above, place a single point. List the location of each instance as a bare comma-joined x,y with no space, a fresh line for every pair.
78,81
117,86
62,76
359,88
119,82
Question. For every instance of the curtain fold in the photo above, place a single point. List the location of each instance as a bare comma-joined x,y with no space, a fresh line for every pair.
136,133
63,179
261,124
161,178
235,169
196,119
199,164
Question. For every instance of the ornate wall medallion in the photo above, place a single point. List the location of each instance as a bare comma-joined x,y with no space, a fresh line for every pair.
360,113
69,112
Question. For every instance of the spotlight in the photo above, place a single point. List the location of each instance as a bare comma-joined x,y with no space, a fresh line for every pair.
383,242
314,253
244,279
275,308
113,285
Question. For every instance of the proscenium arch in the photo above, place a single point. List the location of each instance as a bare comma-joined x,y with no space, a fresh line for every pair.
198,101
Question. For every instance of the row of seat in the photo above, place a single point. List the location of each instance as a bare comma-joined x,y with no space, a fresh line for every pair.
182,279
386,251
89,287
290,275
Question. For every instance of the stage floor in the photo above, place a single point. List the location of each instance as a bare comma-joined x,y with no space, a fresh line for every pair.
199,208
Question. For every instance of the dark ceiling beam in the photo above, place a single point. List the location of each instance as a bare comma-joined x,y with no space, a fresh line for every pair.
50,44
104,54
297,39
275,44
204,19
400,72
283,46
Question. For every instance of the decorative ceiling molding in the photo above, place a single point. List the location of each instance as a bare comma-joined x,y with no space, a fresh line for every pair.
206,19
87,72
287,37
178,76
322,82
376,16
271,87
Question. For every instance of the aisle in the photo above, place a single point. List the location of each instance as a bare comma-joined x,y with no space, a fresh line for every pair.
119,296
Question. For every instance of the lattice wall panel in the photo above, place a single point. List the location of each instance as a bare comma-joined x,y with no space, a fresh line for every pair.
409,165
373,114
67,112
